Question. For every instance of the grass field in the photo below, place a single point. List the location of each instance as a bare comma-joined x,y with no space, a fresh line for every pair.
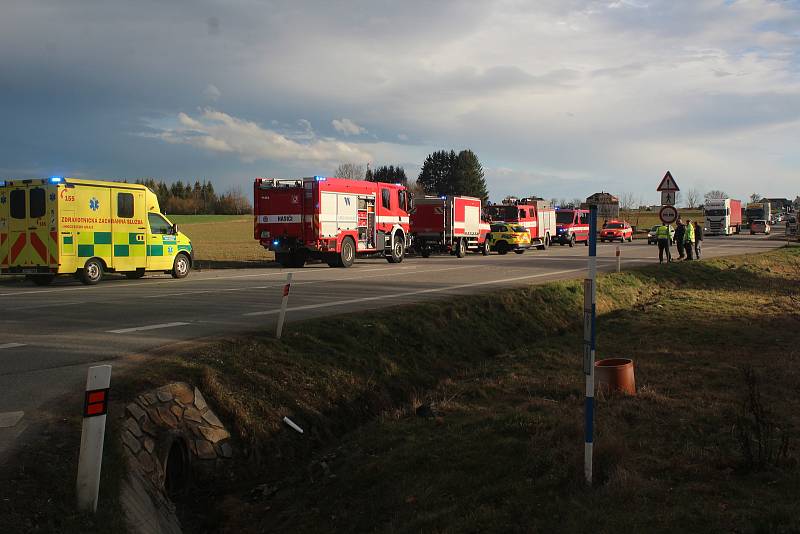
429,418
223,240
644,220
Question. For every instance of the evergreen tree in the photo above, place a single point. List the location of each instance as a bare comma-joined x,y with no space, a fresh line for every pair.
436,176
389,174
370,177
469,178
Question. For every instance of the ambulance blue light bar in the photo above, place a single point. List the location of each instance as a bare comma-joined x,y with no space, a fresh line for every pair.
56,179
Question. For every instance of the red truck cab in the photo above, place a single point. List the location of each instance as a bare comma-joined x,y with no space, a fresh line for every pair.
572,226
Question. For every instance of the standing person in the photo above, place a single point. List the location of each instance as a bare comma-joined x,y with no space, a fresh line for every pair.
698,239
689,240
662,235
680,233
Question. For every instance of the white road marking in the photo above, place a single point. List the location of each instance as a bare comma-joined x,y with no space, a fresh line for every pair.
412,293
12,345
10,419
143,328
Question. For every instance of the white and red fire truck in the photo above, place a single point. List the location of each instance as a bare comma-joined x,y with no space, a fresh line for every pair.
331,219
538,216
448,224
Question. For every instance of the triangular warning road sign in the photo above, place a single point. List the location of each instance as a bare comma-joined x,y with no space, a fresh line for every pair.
668,183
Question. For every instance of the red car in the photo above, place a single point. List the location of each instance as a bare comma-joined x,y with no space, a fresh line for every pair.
614,230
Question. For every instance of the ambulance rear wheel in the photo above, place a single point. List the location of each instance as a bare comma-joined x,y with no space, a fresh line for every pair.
398,249
348,254
181,266
41,279
461,248
92,272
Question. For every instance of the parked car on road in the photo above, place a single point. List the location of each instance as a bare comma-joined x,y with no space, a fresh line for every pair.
760,226
651,234
505,237
614,230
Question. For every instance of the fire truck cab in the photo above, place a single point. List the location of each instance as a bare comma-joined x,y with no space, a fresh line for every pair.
448,224
572,226
331,219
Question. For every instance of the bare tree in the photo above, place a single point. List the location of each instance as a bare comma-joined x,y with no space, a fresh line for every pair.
692,198
353,171
576,202
628,201
715,194
755,197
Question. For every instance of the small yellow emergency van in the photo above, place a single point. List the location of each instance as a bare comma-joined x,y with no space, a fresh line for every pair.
86,227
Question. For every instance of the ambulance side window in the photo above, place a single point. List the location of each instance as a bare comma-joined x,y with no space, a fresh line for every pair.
386,197
158,225
18,204
37,202
125,205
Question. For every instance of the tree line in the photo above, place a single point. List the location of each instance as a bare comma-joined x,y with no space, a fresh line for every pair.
443,173
181,198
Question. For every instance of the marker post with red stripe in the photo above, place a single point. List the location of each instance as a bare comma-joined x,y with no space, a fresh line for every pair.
619,259
284,304
95,408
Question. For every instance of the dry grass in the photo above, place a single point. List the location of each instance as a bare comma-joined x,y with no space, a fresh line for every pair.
644,220
225,242
500,447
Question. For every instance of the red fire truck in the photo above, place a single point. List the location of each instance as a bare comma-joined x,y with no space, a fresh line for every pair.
534,214
573,226
448,224
331,219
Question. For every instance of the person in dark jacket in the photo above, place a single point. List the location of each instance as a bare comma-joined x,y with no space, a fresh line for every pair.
698,239
680,233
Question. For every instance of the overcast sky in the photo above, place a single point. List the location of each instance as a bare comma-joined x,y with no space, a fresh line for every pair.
559,98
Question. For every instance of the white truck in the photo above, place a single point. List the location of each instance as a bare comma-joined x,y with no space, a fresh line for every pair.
723,216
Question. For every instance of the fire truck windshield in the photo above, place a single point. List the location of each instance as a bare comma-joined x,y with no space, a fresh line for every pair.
564,217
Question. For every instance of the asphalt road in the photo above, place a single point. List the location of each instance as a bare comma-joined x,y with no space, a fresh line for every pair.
51,335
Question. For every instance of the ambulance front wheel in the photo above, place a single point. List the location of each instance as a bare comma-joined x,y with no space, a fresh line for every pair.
92,272
181,266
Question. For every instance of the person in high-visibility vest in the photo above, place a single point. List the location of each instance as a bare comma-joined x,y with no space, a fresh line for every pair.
662,236
688,239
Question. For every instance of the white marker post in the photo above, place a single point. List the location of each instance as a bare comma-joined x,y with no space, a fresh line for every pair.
95,408
619,259
589,338
284,304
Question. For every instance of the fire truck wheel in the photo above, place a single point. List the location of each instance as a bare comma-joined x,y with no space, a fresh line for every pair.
181,266
92,272
461,248
398,249
348,254
572,240
502,248
297,260
41,279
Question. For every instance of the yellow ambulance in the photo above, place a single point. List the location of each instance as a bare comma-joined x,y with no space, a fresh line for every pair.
86,228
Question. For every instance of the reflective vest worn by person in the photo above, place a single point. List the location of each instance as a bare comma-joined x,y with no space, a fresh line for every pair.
689,238
662,232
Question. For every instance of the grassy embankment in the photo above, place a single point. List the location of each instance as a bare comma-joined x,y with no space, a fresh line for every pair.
500,374
223,240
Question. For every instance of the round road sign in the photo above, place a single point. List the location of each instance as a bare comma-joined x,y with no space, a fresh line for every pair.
668,214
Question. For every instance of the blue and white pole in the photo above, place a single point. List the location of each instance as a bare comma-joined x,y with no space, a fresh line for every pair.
589,338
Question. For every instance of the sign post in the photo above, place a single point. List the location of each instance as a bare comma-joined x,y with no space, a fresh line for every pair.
619,259
284,304
589,338
669,192
95,408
